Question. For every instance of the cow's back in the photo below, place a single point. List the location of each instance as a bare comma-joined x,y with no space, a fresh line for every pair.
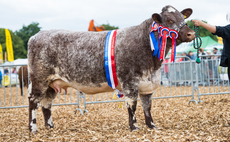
76,56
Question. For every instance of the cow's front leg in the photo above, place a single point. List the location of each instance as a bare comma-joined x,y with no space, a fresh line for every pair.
33,107
130,86
146,104
131,103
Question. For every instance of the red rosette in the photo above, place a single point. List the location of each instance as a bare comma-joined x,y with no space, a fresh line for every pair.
154,26
159,29
171,32
163,31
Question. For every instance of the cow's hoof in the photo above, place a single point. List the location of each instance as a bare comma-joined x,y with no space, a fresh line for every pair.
48,126
34,132
152,126
134,128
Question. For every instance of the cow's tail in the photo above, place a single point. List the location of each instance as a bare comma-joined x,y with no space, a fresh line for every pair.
30,54
29,90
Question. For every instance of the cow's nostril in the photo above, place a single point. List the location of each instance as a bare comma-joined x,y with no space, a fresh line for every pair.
191,35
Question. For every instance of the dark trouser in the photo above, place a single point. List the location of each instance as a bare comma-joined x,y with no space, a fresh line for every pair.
228,73
228,63
225,62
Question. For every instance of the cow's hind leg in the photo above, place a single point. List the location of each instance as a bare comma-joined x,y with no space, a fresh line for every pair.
146,104
46,107
34,96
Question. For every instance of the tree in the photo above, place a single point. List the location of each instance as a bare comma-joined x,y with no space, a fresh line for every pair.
109,27
18,45
202,31
27,31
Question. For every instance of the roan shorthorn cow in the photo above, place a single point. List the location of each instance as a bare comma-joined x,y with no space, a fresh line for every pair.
60,59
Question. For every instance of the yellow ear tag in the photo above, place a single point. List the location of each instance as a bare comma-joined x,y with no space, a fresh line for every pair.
114,96
185,17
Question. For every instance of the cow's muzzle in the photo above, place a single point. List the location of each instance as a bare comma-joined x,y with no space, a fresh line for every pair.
190,36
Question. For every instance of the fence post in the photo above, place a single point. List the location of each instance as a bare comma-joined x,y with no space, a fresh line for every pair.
197,85
192,86
83,96
78,103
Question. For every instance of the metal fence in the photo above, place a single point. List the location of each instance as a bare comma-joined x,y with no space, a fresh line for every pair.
212,78
179,79
11,95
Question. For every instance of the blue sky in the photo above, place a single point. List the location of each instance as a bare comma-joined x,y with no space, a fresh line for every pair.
76,14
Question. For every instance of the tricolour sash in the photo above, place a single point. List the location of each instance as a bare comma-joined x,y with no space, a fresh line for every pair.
109,57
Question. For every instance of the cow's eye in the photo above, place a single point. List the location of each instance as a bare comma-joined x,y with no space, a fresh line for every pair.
170,21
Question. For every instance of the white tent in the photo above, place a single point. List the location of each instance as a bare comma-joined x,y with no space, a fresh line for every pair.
13,76
16,62
20,61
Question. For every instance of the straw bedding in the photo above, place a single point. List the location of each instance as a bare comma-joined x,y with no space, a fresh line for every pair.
174,118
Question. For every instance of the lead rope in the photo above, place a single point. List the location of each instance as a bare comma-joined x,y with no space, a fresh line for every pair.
197,42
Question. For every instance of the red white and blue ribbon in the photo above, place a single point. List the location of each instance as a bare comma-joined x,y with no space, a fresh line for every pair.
160,41
154,27
109,57
165,33
153,41
159,45
173,34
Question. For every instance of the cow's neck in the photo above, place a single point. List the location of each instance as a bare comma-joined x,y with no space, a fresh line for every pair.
146,26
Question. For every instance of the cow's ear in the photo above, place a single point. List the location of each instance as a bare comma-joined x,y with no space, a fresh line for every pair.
186,12
157,18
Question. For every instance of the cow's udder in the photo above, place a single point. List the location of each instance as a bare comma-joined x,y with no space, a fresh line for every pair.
58,84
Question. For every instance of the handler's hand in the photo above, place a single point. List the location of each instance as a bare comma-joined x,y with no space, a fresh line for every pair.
209,27
197,22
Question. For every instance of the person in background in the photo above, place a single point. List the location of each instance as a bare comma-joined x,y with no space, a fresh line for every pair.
6,71
191,55
209,54
221,50
209,67
178,59
178,66
166,67
14,70
215,52
215,61
203,62
201,52
221,31
185,54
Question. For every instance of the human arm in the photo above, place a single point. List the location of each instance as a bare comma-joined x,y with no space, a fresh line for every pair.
209,27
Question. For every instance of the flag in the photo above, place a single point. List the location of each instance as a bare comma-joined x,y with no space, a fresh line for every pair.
1,53
9,46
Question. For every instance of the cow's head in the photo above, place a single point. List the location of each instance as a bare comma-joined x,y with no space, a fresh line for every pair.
173,19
